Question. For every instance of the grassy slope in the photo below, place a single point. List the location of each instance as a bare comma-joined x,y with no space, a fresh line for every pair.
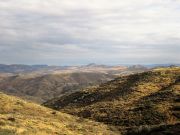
150,98
45,87
20,117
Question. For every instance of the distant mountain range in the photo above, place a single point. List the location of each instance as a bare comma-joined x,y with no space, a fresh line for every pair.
161,65
15,68
19,68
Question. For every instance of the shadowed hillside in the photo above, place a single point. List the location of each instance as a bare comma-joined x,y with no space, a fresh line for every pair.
40,83
44,87
23,118
150,99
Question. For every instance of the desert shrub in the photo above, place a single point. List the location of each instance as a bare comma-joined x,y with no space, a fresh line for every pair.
11,119
142,130
6,132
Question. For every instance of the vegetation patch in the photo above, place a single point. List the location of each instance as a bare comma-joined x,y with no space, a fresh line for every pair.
138,100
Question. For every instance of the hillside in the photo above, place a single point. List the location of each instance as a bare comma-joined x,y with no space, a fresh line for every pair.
23,118
145,101
45,69
40,88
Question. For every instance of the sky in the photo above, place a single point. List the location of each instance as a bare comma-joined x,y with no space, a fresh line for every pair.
77,32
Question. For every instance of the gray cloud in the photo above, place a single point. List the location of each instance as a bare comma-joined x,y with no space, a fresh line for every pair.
82,31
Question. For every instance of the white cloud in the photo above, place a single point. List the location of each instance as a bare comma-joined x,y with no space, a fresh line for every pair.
120,31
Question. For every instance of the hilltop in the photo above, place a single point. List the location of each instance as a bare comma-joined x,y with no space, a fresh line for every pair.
23,118
147,101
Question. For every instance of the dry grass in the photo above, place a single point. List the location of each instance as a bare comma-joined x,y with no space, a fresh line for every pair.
149,98
45,87
24,118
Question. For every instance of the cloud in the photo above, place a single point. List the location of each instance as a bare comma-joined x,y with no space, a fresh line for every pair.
83,31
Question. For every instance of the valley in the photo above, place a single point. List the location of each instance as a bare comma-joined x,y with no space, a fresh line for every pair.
40,83
141,102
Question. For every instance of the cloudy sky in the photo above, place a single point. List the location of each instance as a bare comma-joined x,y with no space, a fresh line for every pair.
73,32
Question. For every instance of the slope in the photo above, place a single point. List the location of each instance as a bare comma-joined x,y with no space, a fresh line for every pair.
23,118
44,87
151,98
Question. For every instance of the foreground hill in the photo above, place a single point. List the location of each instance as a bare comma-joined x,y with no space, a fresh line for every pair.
41,88
23,118
146,101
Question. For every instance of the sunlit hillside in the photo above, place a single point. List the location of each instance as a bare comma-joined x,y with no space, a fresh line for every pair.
23,118
131,102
